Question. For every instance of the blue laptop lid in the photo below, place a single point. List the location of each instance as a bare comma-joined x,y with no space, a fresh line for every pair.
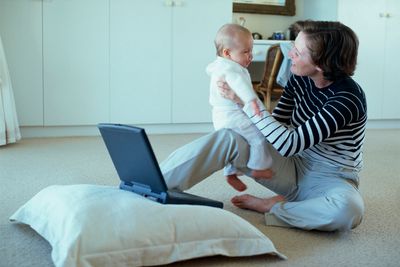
132,155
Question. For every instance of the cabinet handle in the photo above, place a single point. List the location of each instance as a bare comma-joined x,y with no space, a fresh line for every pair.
173,2
178,3
169,2
384,15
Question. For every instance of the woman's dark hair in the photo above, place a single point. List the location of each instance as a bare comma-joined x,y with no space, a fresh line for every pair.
295,28
333,47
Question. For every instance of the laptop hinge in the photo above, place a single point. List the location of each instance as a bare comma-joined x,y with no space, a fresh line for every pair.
143,190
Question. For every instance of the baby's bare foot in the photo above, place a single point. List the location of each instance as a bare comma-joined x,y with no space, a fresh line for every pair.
235,182
251,202
262,174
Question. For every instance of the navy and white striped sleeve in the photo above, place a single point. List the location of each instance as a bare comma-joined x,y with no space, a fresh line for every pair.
338,111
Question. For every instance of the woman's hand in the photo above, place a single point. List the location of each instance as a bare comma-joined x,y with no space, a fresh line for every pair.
227,92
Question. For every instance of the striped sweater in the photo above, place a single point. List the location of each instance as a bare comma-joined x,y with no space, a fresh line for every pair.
325,124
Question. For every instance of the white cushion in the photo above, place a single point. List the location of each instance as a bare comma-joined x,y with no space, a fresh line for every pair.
90,225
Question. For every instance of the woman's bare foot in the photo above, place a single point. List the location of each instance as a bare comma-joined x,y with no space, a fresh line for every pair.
251,202
235,182
262,174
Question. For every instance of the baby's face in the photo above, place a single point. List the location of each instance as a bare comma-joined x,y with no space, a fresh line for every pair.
242,53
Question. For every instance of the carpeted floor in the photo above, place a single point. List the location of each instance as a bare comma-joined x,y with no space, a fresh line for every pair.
32,164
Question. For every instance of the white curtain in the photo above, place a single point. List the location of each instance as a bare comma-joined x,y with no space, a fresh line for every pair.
9,128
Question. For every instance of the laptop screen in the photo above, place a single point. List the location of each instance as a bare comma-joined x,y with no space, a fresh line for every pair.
132,155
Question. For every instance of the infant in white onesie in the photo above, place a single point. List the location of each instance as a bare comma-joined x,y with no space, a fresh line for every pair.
234,45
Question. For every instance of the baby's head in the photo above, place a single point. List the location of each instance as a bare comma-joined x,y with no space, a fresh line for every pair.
235,42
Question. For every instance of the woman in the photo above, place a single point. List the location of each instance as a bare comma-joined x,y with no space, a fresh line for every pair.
315,138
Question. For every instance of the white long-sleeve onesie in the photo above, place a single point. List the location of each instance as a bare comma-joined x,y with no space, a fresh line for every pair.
227,114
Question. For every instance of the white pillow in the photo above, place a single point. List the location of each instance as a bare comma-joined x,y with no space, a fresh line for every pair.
89,225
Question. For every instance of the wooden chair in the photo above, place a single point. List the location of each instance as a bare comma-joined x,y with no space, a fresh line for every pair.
268,88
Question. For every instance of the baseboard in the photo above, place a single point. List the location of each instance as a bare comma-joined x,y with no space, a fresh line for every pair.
60,131
383,124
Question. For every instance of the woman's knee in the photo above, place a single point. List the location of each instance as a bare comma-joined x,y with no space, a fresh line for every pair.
346,211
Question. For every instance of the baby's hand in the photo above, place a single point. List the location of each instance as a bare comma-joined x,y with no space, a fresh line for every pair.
255,107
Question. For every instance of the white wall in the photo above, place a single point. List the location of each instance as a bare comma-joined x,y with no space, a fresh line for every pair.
320,9
305,9
267,24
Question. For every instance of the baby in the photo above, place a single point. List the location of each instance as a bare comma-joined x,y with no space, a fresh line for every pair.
234,45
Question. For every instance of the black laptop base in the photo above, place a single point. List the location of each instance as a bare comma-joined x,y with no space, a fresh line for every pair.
172,196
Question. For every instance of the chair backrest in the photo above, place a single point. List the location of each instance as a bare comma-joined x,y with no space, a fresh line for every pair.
268,84
273,62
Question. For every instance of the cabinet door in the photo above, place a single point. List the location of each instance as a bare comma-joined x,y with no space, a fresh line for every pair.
193,49
391,94
370,29
76,62
140,57
21,33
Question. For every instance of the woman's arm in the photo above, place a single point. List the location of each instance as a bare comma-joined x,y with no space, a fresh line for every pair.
290,140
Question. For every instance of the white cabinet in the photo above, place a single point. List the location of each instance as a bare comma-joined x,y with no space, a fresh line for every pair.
159,51
81,62
391,94
140,61
76,62
195,24
376,23
21,32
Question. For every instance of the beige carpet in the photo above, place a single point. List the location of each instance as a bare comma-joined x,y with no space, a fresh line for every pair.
32,164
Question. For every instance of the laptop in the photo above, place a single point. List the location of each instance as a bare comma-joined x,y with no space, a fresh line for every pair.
137,166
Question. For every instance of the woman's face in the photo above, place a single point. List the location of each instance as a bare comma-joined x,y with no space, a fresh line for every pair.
302,64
